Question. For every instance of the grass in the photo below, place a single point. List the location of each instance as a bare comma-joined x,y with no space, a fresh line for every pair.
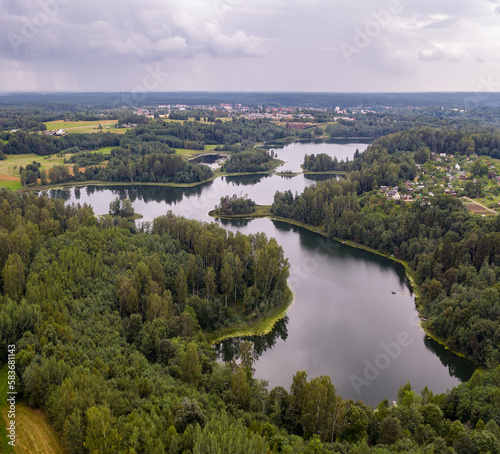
13,185
10,166
83,126
34,433
257,327
261,211
191,153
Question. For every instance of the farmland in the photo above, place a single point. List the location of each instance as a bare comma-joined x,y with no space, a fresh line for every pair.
81,127
9,168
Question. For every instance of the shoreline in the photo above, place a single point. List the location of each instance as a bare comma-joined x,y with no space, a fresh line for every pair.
259,326
408,272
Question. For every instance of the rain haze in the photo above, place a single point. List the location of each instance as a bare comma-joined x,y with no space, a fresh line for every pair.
250,45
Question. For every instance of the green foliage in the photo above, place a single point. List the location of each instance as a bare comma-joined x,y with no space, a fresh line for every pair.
223,436
235,205
249,161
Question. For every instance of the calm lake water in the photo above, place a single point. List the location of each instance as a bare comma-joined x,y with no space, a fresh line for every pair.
353,316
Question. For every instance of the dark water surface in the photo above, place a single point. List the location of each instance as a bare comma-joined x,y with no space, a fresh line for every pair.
345,321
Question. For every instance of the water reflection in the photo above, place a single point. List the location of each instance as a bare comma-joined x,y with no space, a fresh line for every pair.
246,180
458,367
228,349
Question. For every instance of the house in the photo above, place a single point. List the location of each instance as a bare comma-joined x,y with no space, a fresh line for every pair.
393,194
384,188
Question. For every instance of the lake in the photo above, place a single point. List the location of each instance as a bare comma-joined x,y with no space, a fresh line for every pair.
353,316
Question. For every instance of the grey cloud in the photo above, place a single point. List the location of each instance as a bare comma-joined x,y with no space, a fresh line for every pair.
431,55
155,31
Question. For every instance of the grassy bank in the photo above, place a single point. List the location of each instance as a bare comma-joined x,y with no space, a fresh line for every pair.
261,211
258,327
326,172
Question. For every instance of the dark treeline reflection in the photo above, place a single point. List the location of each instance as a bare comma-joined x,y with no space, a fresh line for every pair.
458,367
228,349
159,194
319,177
246,180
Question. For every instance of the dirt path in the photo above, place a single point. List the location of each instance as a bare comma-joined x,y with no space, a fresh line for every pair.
9,178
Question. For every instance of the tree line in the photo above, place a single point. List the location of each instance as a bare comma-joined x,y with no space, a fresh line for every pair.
111,325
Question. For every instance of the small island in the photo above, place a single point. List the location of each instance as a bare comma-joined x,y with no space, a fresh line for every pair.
230,206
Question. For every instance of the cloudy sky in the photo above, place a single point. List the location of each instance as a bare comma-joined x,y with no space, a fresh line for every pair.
250,45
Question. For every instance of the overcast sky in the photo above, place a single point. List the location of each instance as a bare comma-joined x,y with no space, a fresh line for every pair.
250,45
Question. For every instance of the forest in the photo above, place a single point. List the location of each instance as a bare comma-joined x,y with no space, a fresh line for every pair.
114,321
112,327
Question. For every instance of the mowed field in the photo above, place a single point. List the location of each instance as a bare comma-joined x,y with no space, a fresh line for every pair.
34,433
80,127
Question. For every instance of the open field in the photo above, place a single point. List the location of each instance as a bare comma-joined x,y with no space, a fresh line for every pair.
81,127
477,208
10,184
10,166
190,153
34,433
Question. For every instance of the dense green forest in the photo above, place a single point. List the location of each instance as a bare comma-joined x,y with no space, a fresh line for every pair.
151,136
249,161
113,323
112,326
235,205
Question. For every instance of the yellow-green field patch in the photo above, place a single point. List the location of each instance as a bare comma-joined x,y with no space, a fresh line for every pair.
34,432
189,153
81,127
10,184
10,166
